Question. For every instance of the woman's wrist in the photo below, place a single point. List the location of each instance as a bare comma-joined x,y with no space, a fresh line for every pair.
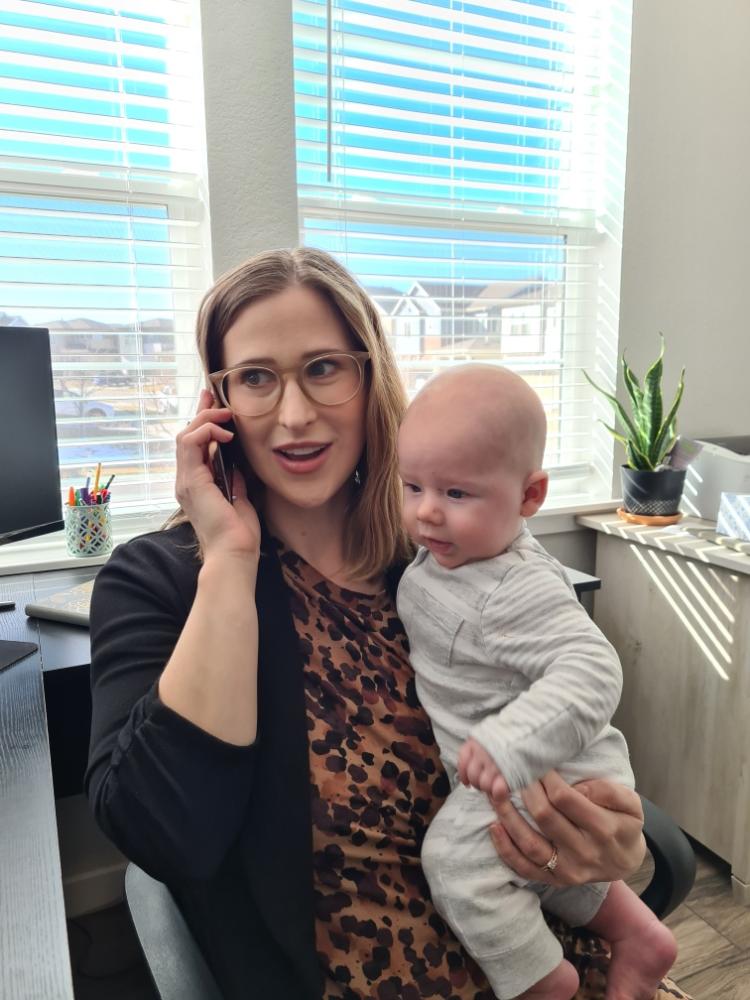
211,676
234,568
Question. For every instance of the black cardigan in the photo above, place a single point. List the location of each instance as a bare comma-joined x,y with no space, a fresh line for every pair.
227,828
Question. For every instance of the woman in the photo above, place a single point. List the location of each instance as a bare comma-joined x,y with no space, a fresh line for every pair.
256,739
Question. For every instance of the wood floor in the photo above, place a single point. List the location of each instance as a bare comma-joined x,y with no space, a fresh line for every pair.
713,934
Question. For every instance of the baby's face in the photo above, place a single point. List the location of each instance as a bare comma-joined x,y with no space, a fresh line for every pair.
459,502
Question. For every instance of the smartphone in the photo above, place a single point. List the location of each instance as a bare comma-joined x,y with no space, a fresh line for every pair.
222,464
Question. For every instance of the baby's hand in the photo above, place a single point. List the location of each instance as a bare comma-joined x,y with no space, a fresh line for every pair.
478,769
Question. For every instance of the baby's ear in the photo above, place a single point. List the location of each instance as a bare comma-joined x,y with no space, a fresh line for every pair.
534,493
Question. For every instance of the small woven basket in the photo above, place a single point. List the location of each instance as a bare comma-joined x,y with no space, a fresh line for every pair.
88,530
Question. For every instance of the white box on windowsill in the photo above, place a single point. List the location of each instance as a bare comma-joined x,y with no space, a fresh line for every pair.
734,515
723,466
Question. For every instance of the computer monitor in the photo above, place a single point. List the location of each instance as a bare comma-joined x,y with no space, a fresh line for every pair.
30,499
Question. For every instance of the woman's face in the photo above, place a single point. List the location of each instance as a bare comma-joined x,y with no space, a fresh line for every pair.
283,330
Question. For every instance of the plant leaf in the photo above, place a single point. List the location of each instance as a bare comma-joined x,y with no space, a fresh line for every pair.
618,437
619,409
667,429
636,401
652,411
632,385
636,458
671,441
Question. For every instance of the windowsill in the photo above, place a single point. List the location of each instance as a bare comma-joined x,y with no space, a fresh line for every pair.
559,520
48,552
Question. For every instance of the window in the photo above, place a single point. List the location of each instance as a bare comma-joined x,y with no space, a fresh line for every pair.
103,234
466,162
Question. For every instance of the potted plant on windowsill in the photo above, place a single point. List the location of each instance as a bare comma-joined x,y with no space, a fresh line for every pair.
650,488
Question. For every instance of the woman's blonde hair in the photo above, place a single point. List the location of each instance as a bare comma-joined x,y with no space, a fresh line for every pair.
374,538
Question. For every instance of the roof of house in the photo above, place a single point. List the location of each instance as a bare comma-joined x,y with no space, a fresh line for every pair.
499,294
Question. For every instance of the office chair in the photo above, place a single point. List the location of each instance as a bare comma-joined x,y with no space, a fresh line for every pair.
179,970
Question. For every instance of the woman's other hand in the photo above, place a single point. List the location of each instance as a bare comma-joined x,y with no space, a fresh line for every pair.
221,528
595,826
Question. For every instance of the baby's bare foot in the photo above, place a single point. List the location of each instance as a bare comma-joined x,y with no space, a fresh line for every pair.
639,961
560,984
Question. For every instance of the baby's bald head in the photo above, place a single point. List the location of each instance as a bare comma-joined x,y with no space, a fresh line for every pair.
470,452
486,410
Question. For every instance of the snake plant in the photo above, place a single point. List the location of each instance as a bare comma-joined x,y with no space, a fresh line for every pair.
648,435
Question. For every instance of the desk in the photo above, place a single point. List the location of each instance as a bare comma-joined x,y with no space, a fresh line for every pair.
34,962
676,607
582,583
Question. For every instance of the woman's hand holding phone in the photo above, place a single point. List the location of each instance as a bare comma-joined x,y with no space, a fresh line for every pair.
223,526
211,676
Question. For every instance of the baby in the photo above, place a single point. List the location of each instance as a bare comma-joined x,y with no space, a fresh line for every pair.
517,680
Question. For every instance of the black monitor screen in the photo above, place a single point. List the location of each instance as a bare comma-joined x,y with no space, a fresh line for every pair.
30,502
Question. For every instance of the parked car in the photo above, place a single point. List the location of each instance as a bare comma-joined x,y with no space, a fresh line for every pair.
126,393
70,402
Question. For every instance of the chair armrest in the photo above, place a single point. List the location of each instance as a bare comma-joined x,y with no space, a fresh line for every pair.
177,967
674,861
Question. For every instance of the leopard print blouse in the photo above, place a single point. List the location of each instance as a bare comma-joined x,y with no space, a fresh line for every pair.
376,780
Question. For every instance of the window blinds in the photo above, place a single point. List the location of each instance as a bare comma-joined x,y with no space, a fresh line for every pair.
466,162
103,235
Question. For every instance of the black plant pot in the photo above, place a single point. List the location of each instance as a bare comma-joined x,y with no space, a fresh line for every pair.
652,493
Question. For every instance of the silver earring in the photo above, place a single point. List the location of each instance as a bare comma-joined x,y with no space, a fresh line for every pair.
357,478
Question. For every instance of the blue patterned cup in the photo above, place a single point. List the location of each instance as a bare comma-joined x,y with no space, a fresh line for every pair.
88,530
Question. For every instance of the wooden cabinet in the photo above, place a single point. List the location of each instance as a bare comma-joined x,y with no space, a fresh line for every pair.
677,609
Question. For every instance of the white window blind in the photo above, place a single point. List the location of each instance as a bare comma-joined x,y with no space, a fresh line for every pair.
466,162
103,234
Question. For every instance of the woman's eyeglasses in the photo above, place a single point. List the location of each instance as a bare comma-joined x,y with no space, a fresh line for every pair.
329,379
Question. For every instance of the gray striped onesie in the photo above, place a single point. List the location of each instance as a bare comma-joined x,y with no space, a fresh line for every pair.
503,652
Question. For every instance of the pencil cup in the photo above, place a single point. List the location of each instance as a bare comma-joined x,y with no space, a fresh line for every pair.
88,529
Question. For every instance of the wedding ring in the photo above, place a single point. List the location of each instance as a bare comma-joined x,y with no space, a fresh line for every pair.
552,863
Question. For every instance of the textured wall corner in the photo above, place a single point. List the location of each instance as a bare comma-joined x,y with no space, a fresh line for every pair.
249,99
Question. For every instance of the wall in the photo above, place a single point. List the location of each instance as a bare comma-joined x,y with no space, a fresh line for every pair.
249,98
687,206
